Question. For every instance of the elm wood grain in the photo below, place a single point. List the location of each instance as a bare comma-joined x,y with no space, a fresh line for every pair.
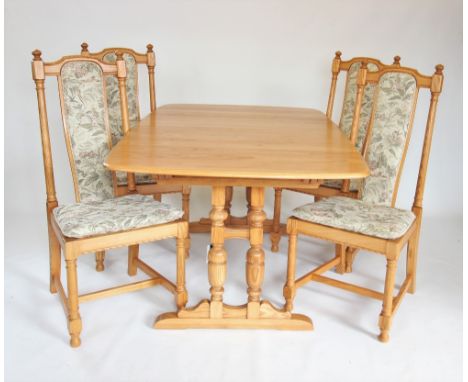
347,242
238,136
250,142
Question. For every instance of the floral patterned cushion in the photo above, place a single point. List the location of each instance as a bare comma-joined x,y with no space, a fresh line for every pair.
354,184
357,216
113,215
350,101
85,121
395,102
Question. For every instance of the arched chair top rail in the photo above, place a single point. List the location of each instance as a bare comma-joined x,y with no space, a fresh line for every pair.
147,58
432,82
42,69
344,65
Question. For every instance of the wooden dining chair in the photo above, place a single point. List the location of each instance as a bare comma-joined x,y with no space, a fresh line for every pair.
339,187
146,184
97,221
372,222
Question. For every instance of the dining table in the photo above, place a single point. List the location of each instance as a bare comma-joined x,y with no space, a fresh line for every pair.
232,145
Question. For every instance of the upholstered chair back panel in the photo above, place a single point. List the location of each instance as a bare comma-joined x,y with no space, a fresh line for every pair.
113,95
349,103
86,128
393,110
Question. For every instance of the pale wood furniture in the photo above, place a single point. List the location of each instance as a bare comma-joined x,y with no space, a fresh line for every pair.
352,94
145,183
149,60
225,146
86,127
204,224
373,223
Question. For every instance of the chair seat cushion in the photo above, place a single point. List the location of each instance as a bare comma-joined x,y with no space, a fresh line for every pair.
113,215
356,216
139,178
354,184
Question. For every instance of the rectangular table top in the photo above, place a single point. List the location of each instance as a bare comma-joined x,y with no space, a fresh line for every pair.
254,142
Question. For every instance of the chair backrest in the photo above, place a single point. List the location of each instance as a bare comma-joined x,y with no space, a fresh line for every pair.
351,67
82,93
390,124
132,59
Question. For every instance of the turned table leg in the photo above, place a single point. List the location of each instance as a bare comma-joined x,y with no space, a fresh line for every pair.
255,267
248,198
100,255
228,204
217,256
213,313
275,234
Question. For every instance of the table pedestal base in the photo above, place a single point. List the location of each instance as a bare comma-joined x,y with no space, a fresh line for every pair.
234,317
213,313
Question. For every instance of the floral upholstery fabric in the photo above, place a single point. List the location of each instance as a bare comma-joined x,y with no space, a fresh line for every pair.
139,178
354,184
357,216
83,110
349,103
347,113
113,215
113,104
393,109
113,96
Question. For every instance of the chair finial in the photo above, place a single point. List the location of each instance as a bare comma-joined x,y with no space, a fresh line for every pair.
439,68
337,54
37,55
84,47
396,60
149,48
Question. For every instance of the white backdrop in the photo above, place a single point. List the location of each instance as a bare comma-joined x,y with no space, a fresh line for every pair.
234,52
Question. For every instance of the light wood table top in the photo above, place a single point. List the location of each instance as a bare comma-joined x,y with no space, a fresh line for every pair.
238,142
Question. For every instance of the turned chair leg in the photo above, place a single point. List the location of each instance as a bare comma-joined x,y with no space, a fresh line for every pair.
55,260
228,204
275,235
100,260
133,251
248,197
186,208
412,260
350,256
157,197
289,290
340,251
74,319
181,291
385,319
